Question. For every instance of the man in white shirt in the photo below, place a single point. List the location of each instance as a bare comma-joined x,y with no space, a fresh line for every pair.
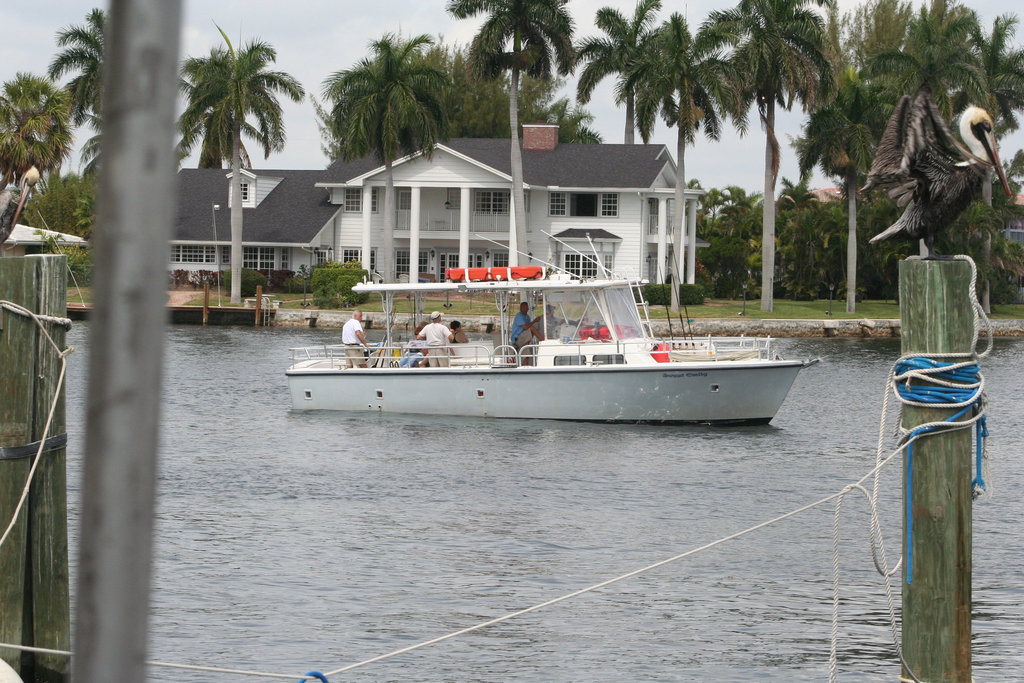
437,334
354,339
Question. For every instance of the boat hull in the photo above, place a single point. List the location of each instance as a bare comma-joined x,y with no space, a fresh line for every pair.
664,393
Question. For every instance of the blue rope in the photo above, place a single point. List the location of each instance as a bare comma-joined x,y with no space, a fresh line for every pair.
314,674
938,396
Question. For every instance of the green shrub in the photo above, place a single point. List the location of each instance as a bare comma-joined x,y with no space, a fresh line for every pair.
251,279
661,295
333,282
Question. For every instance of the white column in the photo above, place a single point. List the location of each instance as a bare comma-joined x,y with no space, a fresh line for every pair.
691,241
464,208
365,247
414,235
660,276
513,244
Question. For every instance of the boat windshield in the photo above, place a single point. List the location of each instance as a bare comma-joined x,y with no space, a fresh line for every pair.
591,314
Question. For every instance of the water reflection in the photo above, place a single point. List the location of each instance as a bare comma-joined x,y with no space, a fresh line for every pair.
288,541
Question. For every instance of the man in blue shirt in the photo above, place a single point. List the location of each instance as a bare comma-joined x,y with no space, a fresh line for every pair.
524,330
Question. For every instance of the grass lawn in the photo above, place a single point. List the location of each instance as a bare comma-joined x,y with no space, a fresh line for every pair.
483,304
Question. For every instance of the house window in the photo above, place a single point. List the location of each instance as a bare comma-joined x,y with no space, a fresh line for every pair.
193,253
556,204
258,258
225,255
424,261
353,254
319,257
499,259
491,202
284,258
245,193
353,199
405,199
373,198
578,265
401,262
609,204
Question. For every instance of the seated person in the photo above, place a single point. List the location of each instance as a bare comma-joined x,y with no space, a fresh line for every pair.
415,351
524,330
458,336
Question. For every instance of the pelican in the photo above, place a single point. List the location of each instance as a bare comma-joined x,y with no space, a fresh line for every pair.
924,168
10,212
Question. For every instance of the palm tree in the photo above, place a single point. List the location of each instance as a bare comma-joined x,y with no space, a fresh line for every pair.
624,41
221,92
687,81
779,47
840,137
35,126
531,36
83,55
388,105
1004,74
937,58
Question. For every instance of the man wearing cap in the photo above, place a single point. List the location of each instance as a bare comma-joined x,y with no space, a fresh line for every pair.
437,334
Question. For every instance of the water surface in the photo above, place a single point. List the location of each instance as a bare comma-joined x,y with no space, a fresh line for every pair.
289,541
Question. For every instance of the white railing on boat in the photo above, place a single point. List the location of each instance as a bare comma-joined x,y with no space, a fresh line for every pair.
483,355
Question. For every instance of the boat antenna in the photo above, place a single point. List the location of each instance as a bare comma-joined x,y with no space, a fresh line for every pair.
674,276
574,249
539,260
597,259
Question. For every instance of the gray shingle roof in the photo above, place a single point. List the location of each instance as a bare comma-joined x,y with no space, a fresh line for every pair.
293,212
296,210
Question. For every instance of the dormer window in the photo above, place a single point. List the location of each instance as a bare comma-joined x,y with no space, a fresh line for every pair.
245,193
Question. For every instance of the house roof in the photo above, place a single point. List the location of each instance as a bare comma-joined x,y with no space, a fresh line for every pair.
583,233
294,211
569,165
26,234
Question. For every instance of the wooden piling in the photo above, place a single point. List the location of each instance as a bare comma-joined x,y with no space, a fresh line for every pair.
206,304
34,579
259,303
937,317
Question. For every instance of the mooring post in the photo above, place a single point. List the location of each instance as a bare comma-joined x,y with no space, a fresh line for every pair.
259,303
937,317
34,609
206,303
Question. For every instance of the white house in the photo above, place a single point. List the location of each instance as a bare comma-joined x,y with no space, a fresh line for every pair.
453,210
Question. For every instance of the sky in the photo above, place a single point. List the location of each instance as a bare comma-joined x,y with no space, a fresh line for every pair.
315,38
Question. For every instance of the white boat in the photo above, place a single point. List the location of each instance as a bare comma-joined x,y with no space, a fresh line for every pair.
598,362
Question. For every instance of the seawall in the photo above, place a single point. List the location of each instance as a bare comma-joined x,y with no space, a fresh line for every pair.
716,327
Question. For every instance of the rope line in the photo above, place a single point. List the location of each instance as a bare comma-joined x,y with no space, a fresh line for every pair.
62,354
527,610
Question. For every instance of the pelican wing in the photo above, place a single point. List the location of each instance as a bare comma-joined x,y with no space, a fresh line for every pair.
916,151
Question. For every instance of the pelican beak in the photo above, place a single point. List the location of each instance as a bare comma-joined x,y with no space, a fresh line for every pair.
28,181
993,156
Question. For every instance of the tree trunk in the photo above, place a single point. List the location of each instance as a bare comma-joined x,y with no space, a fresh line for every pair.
678,250
236,213
388,257
630,119
768,214
851,242
518,198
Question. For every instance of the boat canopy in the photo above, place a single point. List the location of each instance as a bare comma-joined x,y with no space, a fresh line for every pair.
573,310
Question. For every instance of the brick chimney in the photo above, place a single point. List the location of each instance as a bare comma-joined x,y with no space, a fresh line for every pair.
540,137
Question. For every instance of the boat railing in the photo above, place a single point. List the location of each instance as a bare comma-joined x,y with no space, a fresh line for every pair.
719,348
